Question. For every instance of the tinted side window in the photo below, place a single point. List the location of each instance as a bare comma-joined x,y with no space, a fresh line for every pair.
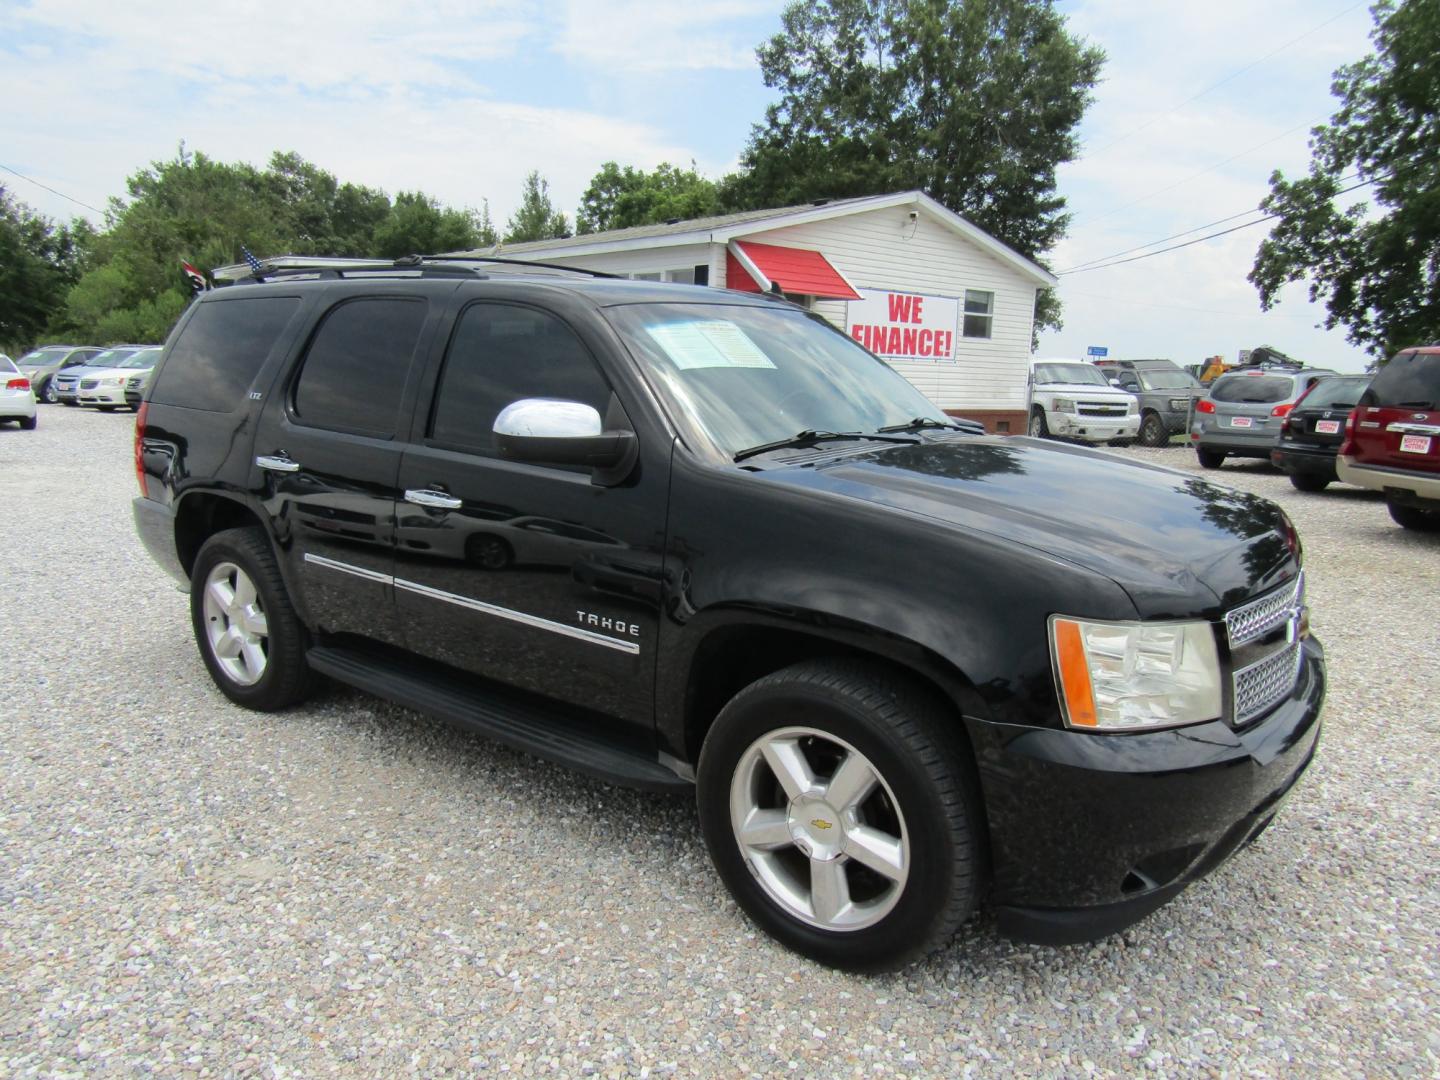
220,351
1335,394
1253,389
1410,381
500,354
355,369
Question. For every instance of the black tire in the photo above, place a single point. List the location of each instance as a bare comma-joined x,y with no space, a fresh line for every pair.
1412,517
71,403
286,678
1038,429
27,423
1309,481
1153,431
1210,459
909,740
106,408
47,393
1121,442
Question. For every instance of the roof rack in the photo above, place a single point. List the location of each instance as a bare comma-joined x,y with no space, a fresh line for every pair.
426,259
402,265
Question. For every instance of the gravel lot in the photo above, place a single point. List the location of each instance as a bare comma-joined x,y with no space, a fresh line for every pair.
349,888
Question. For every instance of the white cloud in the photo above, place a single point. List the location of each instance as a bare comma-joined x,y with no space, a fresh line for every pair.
626,37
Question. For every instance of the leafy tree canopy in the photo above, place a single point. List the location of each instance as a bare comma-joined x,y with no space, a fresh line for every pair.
622,198
1377,269
975,102
536,218
39,261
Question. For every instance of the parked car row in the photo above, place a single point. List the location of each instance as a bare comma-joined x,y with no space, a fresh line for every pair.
1110,401
1380,432
76,375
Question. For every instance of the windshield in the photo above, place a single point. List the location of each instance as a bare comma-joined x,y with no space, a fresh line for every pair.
145,358
1166,380
1410,381
1082,374
110,358
742,376
1335,393
41,357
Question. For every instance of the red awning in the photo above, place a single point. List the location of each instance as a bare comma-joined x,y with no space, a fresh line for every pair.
797,271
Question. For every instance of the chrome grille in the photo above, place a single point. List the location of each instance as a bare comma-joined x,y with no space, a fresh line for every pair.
1259,617
1266,682
1092,408
89,384
133,383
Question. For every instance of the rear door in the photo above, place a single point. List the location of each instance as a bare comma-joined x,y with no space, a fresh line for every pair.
1399,419
327,454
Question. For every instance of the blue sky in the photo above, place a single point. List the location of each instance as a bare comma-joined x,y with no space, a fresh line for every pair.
461,99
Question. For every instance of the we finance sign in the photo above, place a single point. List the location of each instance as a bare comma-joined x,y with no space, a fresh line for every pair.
904,326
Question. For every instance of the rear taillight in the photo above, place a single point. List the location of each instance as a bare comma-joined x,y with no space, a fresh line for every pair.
1347,447
1282,410
140,446
18,384
1205,405
1285,426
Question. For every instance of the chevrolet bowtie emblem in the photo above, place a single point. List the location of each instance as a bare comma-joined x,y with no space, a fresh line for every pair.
820,823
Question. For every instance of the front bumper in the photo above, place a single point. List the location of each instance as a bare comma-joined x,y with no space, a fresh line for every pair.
1089,833
103,395
1411,486
1092,429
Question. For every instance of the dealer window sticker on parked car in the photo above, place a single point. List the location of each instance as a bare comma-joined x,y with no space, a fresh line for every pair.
712,343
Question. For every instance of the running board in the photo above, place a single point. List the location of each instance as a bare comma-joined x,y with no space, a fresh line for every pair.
507,716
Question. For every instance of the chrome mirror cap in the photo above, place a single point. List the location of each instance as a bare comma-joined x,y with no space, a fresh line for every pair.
548,418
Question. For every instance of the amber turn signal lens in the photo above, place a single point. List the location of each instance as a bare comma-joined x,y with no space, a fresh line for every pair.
1074,674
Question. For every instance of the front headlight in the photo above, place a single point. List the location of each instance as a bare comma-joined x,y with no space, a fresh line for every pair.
114,380
1135,676
1132,407
1064,404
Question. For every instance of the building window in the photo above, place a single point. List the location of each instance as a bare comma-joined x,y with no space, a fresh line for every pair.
685,276
979,313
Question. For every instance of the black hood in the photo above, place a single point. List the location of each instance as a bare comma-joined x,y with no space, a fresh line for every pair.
1175,543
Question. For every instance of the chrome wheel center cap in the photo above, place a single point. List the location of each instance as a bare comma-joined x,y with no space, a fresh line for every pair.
817,829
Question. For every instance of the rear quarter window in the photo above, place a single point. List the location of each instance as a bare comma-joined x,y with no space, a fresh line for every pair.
1253,389
221,350
1410,381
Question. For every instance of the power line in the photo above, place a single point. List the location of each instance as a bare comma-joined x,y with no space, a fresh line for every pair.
1201,239
1228,78
47,187
1176,236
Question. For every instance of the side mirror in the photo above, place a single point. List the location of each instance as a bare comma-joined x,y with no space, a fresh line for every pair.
545,431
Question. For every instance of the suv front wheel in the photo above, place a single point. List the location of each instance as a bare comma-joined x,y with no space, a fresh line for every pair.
839,811
250,638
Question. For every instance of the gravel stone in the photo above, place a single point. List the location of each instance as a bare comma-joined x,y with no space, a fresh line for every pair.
348,888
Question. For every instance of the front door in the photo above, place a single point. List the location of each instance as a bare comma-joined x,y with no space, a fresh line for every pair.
327,460
532,575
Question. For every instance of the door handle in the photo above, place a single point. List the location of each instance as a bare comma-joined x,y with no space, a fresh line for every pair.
437,499
278,463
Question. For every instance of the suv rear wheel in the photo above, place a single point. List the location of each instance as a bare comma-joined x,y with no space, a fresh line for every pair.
1309,481
1210,459
250,638
1153,431
1412,517
839,812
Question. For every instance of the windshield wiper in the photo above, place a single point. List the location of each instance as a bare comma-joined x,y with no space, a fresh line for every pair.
918,423
809,437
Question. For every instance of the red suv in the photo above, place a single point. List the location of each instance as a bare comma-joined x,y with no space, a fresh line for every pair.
1392,439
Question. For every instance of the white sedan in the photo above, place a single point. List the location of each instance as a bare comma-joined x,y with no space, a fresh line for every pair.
17,400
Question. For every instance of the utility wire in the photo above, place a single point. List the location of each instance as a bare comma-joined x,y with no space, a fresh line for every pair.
1228,78
1177,236
1201,239
47,187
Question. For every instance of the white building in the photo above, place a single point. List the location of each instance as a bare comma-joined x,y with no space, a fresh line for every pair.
946,304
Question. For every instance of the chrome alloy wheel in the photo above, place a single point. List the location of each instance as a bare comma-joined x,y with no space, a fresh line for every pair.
820,828
235,624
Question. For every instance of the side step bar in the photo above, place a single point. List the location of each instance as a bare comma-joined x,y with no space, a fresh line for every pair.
504,715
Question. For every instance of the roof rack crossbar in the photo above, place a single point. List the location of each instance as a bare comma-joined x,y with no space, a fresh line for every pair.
514,262
362,270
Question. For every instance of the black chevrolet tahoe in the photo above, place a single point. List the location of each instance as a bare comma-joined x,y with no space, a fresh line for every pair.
693,540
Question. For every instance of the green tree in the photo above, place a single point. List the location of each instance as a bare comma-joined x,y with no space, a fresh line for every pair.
39,261
1376,268
536,218
975,102
621,198
418,225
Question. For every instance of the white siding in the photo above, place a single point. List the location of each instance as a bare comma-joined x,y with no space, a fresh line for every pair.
883,249
644,261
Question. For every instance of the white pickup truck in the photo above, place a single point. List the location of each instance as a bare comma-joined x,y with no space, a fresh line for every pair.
1072,399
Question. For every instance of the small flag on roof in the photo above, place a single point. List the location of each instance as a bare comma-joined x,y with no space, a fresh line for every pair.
255,266
197,279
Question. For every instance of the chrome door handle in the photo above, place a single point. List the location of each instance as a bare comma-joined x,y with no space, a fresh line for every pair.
278,464
437,499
